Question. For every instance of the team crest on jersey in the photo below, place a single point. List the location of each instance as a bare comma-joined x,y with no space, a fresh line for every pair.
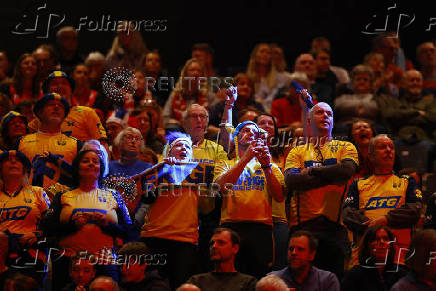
382,202
334,148
62,142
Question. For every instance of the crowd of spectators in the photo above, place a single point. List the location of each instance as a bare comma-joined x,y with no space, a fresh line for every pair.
143,181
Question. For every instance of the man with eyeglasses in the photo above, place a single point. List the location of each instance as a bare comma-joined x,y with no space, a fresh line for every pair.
383,198
317,174
207,153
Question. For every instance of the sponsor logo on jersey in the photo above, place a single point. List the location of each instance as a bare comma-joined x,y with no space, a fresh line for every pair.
382,202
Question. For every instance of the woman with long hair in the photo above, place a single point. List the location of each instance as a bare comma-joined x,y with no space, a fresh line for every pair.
377,269
189,89
25,84
262,71
127,49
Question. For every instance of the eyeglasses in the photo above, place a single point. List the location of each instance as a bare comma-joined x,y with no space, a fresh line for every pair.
132,138
196,116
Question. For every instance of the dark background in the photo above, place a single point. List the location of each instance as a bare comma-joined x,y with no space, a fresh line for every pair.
231,27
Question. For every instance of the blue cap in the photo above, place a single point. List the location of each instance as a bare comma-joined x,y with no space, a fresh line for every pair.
51,96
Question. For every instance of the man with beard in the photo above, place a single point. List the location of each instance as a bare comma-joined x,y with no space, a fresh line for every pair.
300,274
224,245
248,183
383,198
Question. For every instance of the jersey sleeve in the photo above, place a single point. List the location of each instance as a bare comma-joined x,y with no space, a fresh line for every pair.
352,199
278,174
293,161
349,152
95,126
413,194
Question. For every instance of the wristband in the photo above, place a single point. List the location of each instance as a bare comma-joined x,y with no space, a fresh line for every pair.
266,167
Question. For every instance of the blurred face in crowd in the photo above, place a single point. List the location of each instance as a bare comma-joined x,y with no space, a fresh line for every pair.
81,76
53,112
361,133
300,256
131,143
60,86
222,248
44,61
89,166
244,88
306,64
152,63
266,123
323,61
82,272
12,167
140,82
248,115
67,41
362,83
413,83
383,156
112,130
144,123
194,71
377,64
388,49
96,69
197,121
182,150
263,55
320,44
202,56
16,127
28,67
427,54
133,272
379,248
321,119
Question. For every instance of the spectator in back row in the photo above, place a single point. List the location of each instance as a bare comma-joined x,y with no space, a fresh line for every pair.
262,71
426,57
24,84
66,44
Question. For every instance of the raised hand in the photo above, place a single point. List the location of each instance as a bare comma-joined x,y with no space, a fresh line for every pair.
232,95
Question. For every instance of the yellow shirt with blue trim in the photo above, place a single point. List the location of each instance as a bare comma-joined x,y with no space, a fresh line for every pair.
279,208
57,144
82,122
174,214
249,199
376,195
326,200
21,212
90,237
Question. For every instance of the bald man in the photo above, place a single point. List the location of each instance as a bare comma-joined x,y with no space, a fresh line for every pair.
317,173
